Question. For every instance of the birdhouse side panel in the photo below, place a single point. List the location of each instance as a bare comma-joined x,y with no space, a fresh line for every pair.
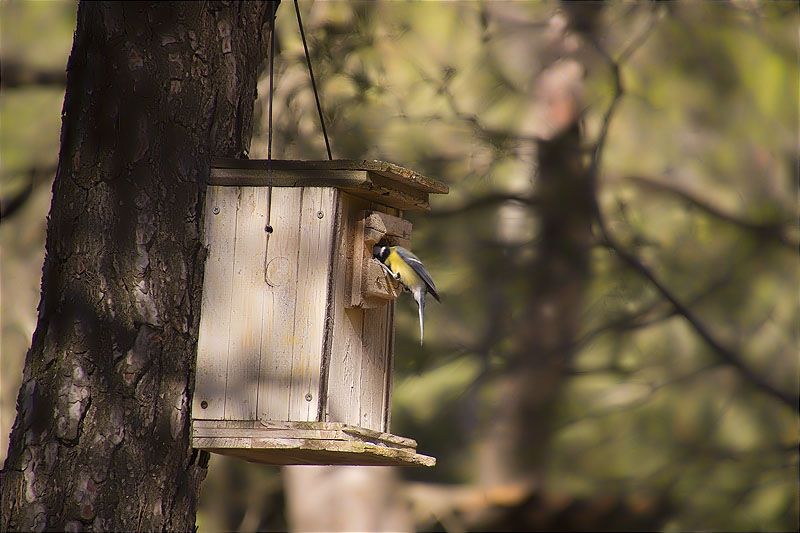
361,347
376,366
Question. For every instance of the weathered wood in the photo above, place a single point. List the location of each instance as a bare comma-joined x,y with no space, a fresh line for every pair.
277,341
374,358
378,288
247,304
307,443
344,365
364,183
308,430
396,230
389,375
371,287
388,170
293,355
212,348
361,339
313,257
248,177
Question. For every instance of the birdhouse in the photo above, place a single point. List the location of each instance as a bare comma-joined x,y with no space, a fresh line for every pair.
296,344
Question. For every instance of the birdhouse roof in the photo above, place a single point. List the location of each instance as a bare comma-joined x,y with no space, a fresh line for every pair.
379,181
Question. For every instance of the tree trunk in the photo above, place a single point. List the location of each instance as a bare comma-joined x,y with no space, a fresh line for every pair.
519,433
514,446
345,498
102,435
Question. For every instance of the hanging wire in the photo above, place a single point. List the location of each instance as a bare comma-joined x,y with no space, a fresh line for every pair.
313,83
271,92
269,228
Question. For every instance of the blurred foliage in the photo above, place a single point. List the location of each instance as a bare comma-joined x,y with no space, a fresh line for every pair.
38,35
698,180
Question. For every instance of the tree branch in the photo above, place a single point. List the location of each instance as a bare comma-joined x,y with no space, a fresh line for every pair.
490,200
16,75
725,354
772,230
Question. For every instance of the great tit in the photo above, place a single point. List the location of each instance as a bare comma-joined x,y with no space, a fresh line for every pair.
405,267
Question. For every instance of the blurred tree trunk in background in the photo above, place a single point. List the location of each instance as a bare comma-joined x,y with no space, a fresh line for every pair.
345,498
518,431
515,439
102,435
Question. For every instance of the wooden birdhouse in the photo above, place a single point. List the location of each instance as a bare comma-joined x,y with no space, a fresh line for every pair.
296,343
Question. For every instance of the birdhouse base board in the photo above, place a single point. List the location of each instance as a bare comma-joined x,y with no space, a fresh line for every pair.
306,443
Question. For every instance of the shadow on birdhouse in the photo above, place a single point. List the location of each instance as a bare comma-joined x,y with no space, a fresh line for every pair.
296,344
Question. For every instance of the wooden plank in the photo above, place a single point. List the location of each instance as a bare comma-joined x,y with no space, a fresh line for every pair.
363,183
313,257
387,405
396,229
238,177
306,443
378,289
305,430
389,372
212,346
357,257
247,308
388,170
344,366
370,286
389,197
333,253
362,339
336,454
373,367
278,340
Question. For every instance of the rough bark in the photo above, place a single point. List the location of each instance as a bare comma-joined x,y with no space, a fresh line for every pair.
102,435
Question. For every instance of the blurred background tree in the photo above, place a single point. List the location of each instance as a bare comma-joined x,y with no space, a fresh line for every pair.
647,378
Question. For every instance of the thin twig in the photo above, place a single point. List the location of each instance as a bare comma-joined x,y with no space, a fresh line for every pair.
774,230
727,355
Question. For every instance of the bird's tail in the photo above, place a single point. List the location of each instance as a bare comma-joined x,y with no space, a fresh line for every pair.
421,304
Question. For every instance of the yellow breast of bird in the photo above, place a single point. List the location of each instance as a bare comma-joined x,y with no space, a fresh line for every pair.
407,274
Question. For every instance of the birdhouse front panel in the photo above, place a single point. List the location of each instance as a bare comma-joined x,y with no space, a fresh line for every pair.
264,306
296,341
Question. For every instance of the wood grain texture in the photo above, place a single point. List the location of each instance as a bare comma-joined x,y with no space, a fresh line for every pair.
387,189
278,340
272,334
369,285
214,333
247,304
306,443
387,170
361,339
374,358
241,177
313,256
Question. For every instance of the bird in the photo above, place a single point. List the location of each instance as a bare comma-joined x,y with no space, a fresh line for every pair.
406,268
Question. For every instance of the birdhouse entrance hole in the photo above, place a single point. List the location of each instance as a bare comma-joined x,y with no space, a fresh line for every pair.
296,344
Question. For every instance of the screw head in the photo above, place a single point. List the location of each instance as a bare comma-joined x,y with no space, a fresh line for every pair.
320,214
308,396
204,404
216,210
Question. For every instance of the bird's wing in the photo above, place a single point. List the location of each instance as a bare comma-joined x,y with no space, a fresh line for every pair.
419,268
